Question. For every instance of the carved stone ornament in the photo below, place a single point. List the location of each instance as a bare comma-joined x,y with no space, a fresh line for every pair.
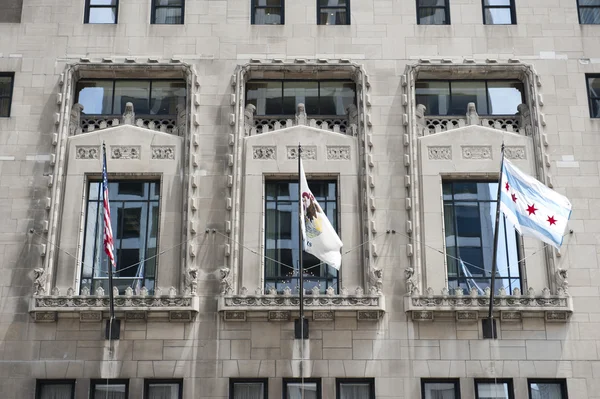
422,315
338,152
44,317
234,315
439,152
467,316
376,279
352,113
301,117
280,315
264,152
125,151
323,315
367,315
39,281
472,116
226,281
86,152
75,119
135,316
249,112
180,315
515,152
308,152
477,152
191,280
90,317
163,152
557,316
510,316
408,280
129,114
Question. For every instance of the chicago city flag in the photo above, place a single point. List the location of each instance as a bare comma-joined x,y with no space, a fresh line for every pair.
534,209
319,236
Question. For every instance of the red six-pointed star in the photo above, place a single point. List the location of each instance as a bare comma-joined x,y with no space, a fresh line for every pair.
514,197
551,220
507,186
531,209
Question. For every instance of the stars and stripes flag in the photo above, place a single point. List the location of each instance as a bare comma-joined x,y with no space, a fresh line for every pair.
109,245
534,209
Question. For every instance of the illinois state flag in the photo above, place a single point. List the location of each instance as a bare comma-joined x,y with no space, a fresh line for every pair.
534,209
319,236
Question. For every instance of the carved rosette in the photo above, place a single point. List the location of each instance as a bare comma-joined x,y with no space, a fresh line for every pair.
264,152
163,152
515,152
86,152
125,152
439,152
336,152
477,152
308,152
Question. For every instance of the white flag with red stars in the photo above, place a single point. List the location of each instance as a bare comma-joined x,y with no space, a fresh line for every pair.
534,209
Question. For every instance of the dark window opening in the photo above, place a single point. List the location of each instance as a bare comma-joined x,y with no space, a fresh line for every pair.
267,12
169,12
593,87
442,388
295,388
248,388
433,12
163,389
333,12
494,389
109,389
589,11
499,12
355,388
55,389
545,388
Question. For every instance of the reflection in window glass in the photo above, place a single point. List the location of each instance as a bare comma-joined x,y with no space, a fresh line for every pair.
547,389
55,389
305,92
109,390
248,390
589,11
447,389
6,89
359,389
593,83
493,390
136,92
333,12
499,12
96,97
101,11
435,95
465,92
167,12
335,97
299,390
162,390
433,12
504,97
267,12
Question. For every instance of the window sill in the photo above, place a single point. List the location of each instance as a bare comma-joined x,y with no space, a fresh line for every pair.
176,308
553,308
280,307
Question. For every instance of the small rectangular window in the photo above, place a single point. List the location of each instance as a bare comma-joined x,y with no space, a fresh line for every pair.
355,388
10,11
494,389
168,12
499,12
433,12
333,12
101,11
295,388
113,389
547,389
267,12
6,93
440,388
53,389
248,388
163,389
593,87
589,11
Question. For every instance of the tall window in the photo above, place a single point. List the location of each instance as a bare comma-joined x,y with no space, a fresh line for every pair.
547,389
433,12
6,92
333,12
295,388
163,389
168,12
109,389
589,11
324,98
451,97
248,388
101,11
593,86
267,12
355,388
282,233
134,208
469,219
493,389
55,389
149,97
440,389
499,12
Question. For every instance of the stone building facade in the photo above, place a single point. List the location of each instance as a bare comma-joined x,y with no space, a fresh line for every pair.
405,108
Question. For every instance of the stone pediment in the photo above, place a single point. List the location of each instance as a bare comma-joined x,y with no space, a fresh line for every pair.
300,134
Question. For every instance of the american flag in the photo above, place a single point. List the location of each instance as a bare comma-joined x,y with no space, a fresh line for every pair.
109,245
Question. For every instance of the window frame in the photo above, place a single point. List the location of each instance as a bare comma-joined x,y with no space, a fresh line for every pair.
511,6
10,75
588,78
507,381
89,6
233,381
110,381
286,381
346,7
155,6
148,381
41,382
341,381
560,381
446,8
454,381
580,6
254,7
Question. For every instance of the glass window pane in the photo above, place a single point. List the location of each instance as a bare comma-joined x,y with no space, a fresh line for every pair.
109,391
95,96
269,3
103,2
596,108
498,16
168,15
594,85
102,15
267,16
5,85
332,3
172,3
55,391
464,93
432,3
306,92
332,16
335,97
589,2
505,97
4,106
546,391
265,96
435,96
166,96
295,390
496,2
432,16
248,390
439,390
163,391
355,391
492,391
136,92
589,15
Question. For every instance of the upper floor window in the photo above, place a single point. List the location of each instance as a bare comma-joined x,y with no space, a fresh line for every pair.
163,389
320,97
295,388
547,389
267,12
355,388
451,97
10,11
440,389
593,86
589,11
6,92
333,12
281,237
469,219
149,97
248,388
499,12
134,218
494,389
433,12
168,12
55,389
101,11
109,389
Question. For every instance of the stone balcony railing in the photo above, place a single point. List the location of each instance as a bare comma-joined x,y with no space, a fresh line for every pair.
519,123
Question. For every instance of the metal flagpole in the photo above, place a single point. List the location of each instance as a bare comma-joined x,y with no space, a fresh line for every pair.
300,271
495,251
